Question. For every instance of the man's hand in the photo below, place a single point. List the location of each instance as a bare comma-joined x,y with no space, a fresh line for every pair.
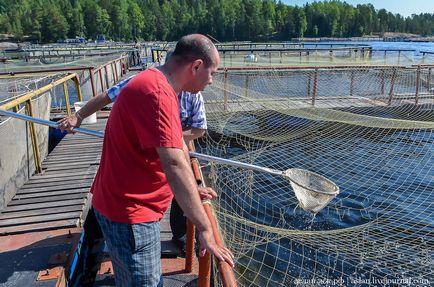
207,243
69,123
206,193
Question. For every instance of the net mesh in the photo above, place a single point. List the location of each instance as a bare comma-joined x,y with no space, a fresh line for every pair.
312,190
321,57
367,129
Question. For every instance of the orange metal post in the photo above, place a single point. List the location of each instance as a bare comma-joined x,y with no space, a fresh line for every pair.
106,76
204,271
189,247
392,85
92,82
225,270
100,79
315,81
226,90
417,85
116,71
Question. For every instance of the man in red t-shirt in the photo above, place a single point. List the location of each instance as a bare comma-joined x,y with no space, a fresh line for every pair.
143,162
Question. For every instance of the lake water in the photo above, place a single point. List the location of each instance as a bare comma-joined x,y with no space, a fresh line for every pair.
377,232
386,179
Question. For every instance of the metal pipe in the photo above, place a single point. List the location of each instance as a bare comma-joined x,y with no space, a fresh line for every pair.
34,139
235,163
392,85
26,97
225,91
223,267
66,94
189,247
100,80
92,82
48,123
101,134
417,85
76,81
204,277
315,83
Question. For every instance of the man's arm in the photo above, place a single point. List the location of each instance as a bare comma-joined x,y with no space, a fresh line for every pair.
192,134
184,187
93,105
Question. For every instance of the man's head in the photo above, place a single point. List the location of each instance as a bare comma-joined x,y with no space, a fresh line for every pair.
199,58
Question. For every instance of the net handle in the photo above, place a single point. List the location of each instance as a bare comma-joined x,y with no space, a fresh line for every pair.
236,163
101,135
192,154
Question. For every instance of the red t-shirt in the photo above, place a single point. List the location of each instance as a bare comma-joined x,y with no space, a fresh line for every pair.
130,185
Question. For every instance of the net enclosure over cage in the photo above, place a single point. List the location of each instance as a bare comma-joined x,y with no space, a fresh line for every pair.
369,130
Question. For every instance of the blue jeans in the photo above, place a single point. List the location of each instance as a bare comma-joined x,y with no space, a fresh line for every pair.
135,251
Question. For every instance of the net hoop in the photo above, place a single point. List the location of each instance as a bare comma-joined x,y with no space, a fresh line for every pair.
334,190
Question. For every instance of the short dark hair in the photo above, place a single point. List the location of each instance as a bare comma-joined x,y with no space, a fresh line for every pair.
193,47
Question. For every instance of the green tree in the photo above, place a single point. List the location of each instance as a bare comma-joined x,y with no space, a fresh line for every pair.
137,19
121,25
54,24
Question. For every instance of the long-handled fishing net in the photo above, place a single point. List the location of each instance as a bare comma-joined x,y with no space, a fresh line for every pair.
312,190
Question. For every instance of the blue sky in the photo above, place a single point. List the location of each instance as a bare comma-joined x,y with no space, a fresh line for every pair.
403,7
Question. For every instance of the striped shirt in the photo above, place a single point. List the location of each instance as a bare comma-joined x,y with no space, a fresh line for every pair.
192,107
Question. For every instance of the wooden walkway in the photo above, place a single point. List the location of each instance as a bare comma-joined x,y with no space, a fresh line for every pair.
58,201
58,198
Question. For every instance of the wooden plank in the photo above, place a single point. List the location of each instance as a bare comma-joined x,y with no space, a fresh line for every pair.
37,206
59,181
39,226
72,146
73,150
66,158
54,200
72,155
71,164
50,193
81,145
66,182
72,172
39,218
70,168
76,153
43,211
46,176
75,141
81,137
68,186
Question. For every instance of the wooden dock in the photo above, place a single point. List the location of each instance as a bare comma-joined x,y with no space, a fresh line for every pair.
41,228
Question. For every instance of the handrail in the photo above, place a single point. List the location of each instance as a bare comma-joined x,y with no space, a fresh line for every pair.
30,95
27,99
224,268
123,60
341,67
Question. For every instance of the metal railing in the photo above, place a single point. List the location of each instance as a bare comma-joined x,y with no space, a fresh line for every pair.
27,98
101,72
205,262
313,75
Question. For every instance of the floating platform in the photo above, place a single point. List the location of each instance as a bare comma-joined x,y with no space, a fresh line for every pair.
45,227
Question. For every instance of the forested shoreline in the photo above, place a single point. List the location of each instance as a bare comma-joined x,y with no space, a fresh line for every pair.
227,20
